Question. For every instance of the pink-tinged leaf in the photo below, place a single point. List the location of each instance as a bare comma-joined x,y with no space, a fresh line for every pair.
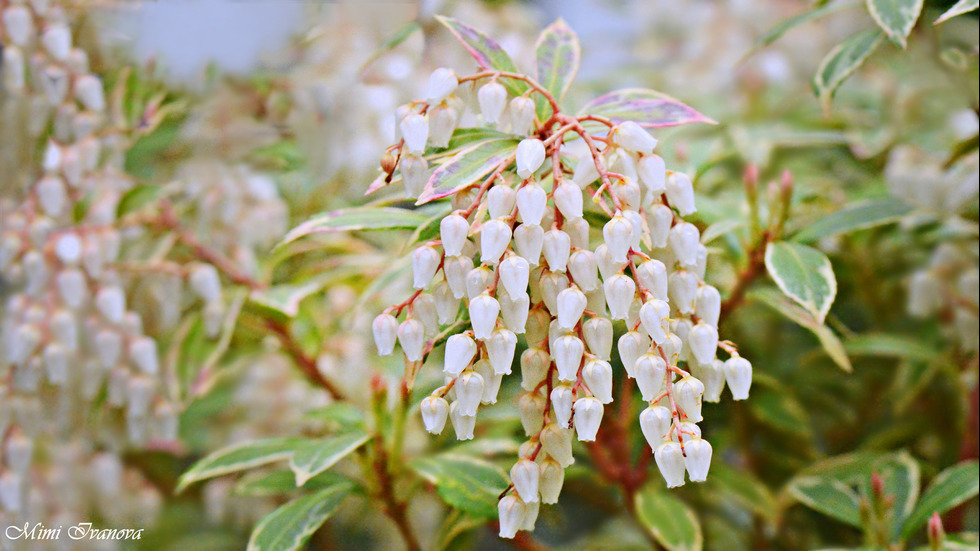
356,218
486,51
645,107
558,56
466,168
378,183
618,96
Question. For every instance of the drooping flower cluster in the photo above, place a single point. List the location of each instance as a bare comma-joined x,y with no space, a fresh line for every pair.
518,254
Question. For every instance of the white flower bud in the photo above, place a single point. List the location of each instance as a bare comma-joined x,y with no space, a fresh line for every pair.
11,491
585,171
64,329
680,193
562,398
442,83
447,305
607,266
638,228
415,132
651,370
483,315
532,201
52,196
442,123
652,275
682,286
707,305
556,441
655,423
571,305
411,335
583,268
738,374
521,115
619,290
494,238
491,381
713,377
525,475
453,230
697,459
18,22
598,334
598,376
688,393
463,425
631,346
500,201
538,325
653,173
425,263
56,364
514,272
618,235
588,417
511,511
469,392
578,231
478,281
89,92
531,406
111,303
655,316
415,174
57,41
460,350
72,288
500,348
634,138
551,284
659,220
385,329
457,270
703,341
143,352
68,249
567,353
568,199
514,311
530,156
531,511
684,239
557,246
205,282
492,98
670,461
528,241
12,69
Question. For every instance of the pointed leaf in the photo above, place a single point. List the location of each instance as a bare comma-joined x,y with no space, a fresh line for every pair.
558,57
901,477
486,52
669,520
803,274
745,488
841,62
829,497
316,457
780,28
240,457
828,339
895,17
854,217
961,7
950,488
356,218
645,107
289,527
467,167
467,483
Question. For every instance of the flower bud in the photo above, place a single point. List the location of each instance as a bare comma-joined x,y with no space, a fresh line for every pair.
111,303
638,228
655,316
585,172
521,115
411,335
415,174
514,272
659,220
511,511
463,425
72,288
697,459
528,241
680,193
442,83
632,137
500,201
571,304
531,407
682,286
525,476
494,238
537,325
12,69
19,24
670,461
483,315
143,352
11,491
562,398
631,346
619,290
425,263
688,393
556,441
530,156
51,195
653,173
618,235
552,283
453,230
56,364
532,201
607,266
568,199
89,92
583,268
500,348
491,381
493,98
415,132
651,370
457,269
684,239
205,282
578,231
557,246
385,329
598,376
567,353
588,417
531,515
598,334
442,123
469,392
534,367
514,311
703,341
738,375
435,411
447,305
655,423
707,305
56,40
460,350
713,377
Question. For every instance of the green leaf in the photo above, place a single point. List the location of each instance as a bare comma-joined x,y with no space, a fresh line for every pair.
286,298
841,62
950,488
289,527
645,107
467,167
669,520
357,218
803,274
891,346
240,457
961,7
281,482
315,457
895,17
486,52
780,28
558,57
828,339
854,217
745,488
830,497
901,477
136,198
467,483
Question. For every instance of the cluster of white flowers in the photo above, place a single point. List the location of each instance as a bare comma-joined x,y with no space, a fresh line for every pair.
520,257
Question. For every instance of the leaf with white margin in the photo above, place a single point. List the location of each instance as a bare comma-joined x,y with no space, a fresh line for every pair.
841,62
830,497
289,527
895,17
240,457
804,274
961,7
318,456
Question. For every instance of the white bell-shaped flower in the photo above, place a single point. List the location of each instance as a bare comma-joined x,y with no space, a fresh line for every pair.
552,283
442,124
631,346
425,262
680,193
682,286
655,316
684,239
598,376
453,230
469,392
568,199
435,412
494,238
442,83
528,241
463,425
567,353
534,367
478,281
457,268
556,441
492,98
514,272
670,461
619,290
205,282
588,417
483,315
562,399
530,155
514,311
525,475
571,305
652,276
551,480
531,407
655,423
111,303
653,173
532,201
411,335
713,377
651,370
500,349
738,375
511,511
447,305
143,352
618,235
415,132
500,201
703,341
697,459
460,351
521,115
659,220
688,393
556,247
598,335
707,305
633,137
415,174
583,268
578,231
636,221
